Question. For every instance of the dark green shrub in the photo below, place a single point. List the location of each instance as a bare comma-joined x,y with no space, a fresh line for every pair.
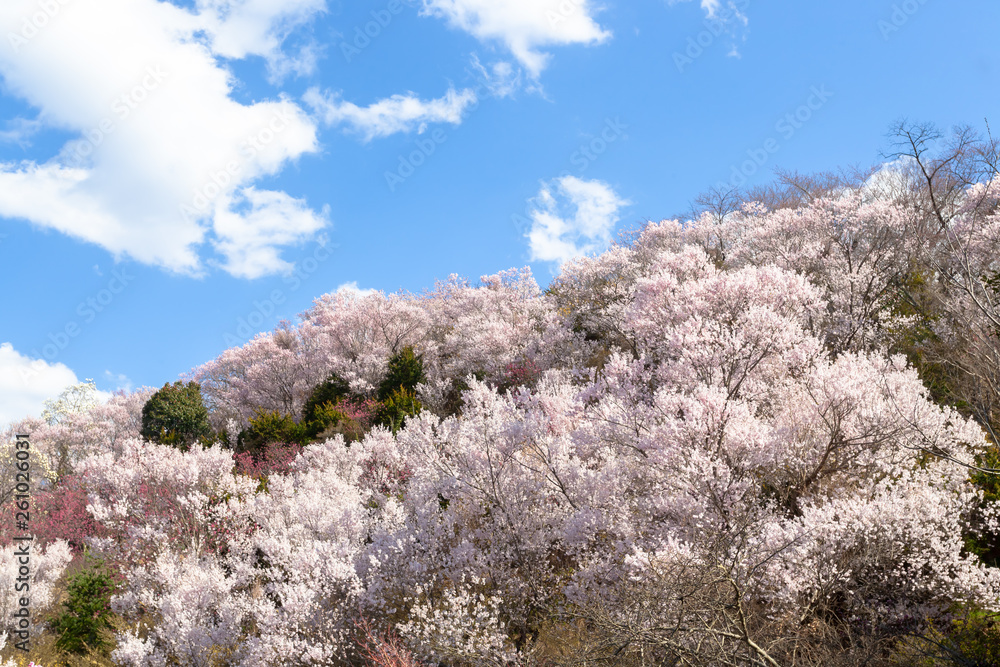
176,415
325,419
323,409
220,437
406,370
970,639
983,542
86,614
352,418
332,391
977,640
268,427
399,405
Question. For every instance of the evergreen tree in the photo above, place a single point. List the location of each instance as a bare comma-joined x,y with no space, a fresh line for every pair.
176,415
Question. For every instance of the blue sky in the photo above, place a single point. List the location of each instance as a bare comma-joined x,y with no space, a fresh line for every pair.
176,176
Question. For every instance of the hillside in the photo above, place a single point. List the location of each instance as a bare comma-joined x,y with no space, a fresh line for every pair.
760,435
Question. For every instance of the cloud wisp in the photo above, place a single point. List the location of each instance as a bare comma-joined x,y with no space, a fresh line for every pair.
572,217
524,27
398,113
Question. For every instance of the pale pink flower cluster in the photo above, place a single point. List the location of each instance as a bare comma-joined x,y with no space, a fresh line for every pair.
459,330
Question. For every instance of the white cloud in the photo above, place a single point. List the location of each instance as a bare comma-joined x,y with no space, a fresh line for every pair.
165,159
119,380
572,217
711,7
250,230
891,180
19,131
238,28
399,113
501,79
524,26
25,384
727,15
351,289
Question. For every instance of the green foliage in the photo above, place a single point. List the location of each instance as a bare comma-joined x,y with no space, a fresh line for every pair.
399,405
986,544
216,438
992,282
176,415
322,409
978,639
330,392
921,345
988,482
86,614
326,417
406,371
925,351
972,639
267,427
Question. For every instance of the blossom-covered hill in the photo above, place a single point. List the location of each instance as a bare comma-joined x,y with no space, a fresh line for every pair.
755,437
